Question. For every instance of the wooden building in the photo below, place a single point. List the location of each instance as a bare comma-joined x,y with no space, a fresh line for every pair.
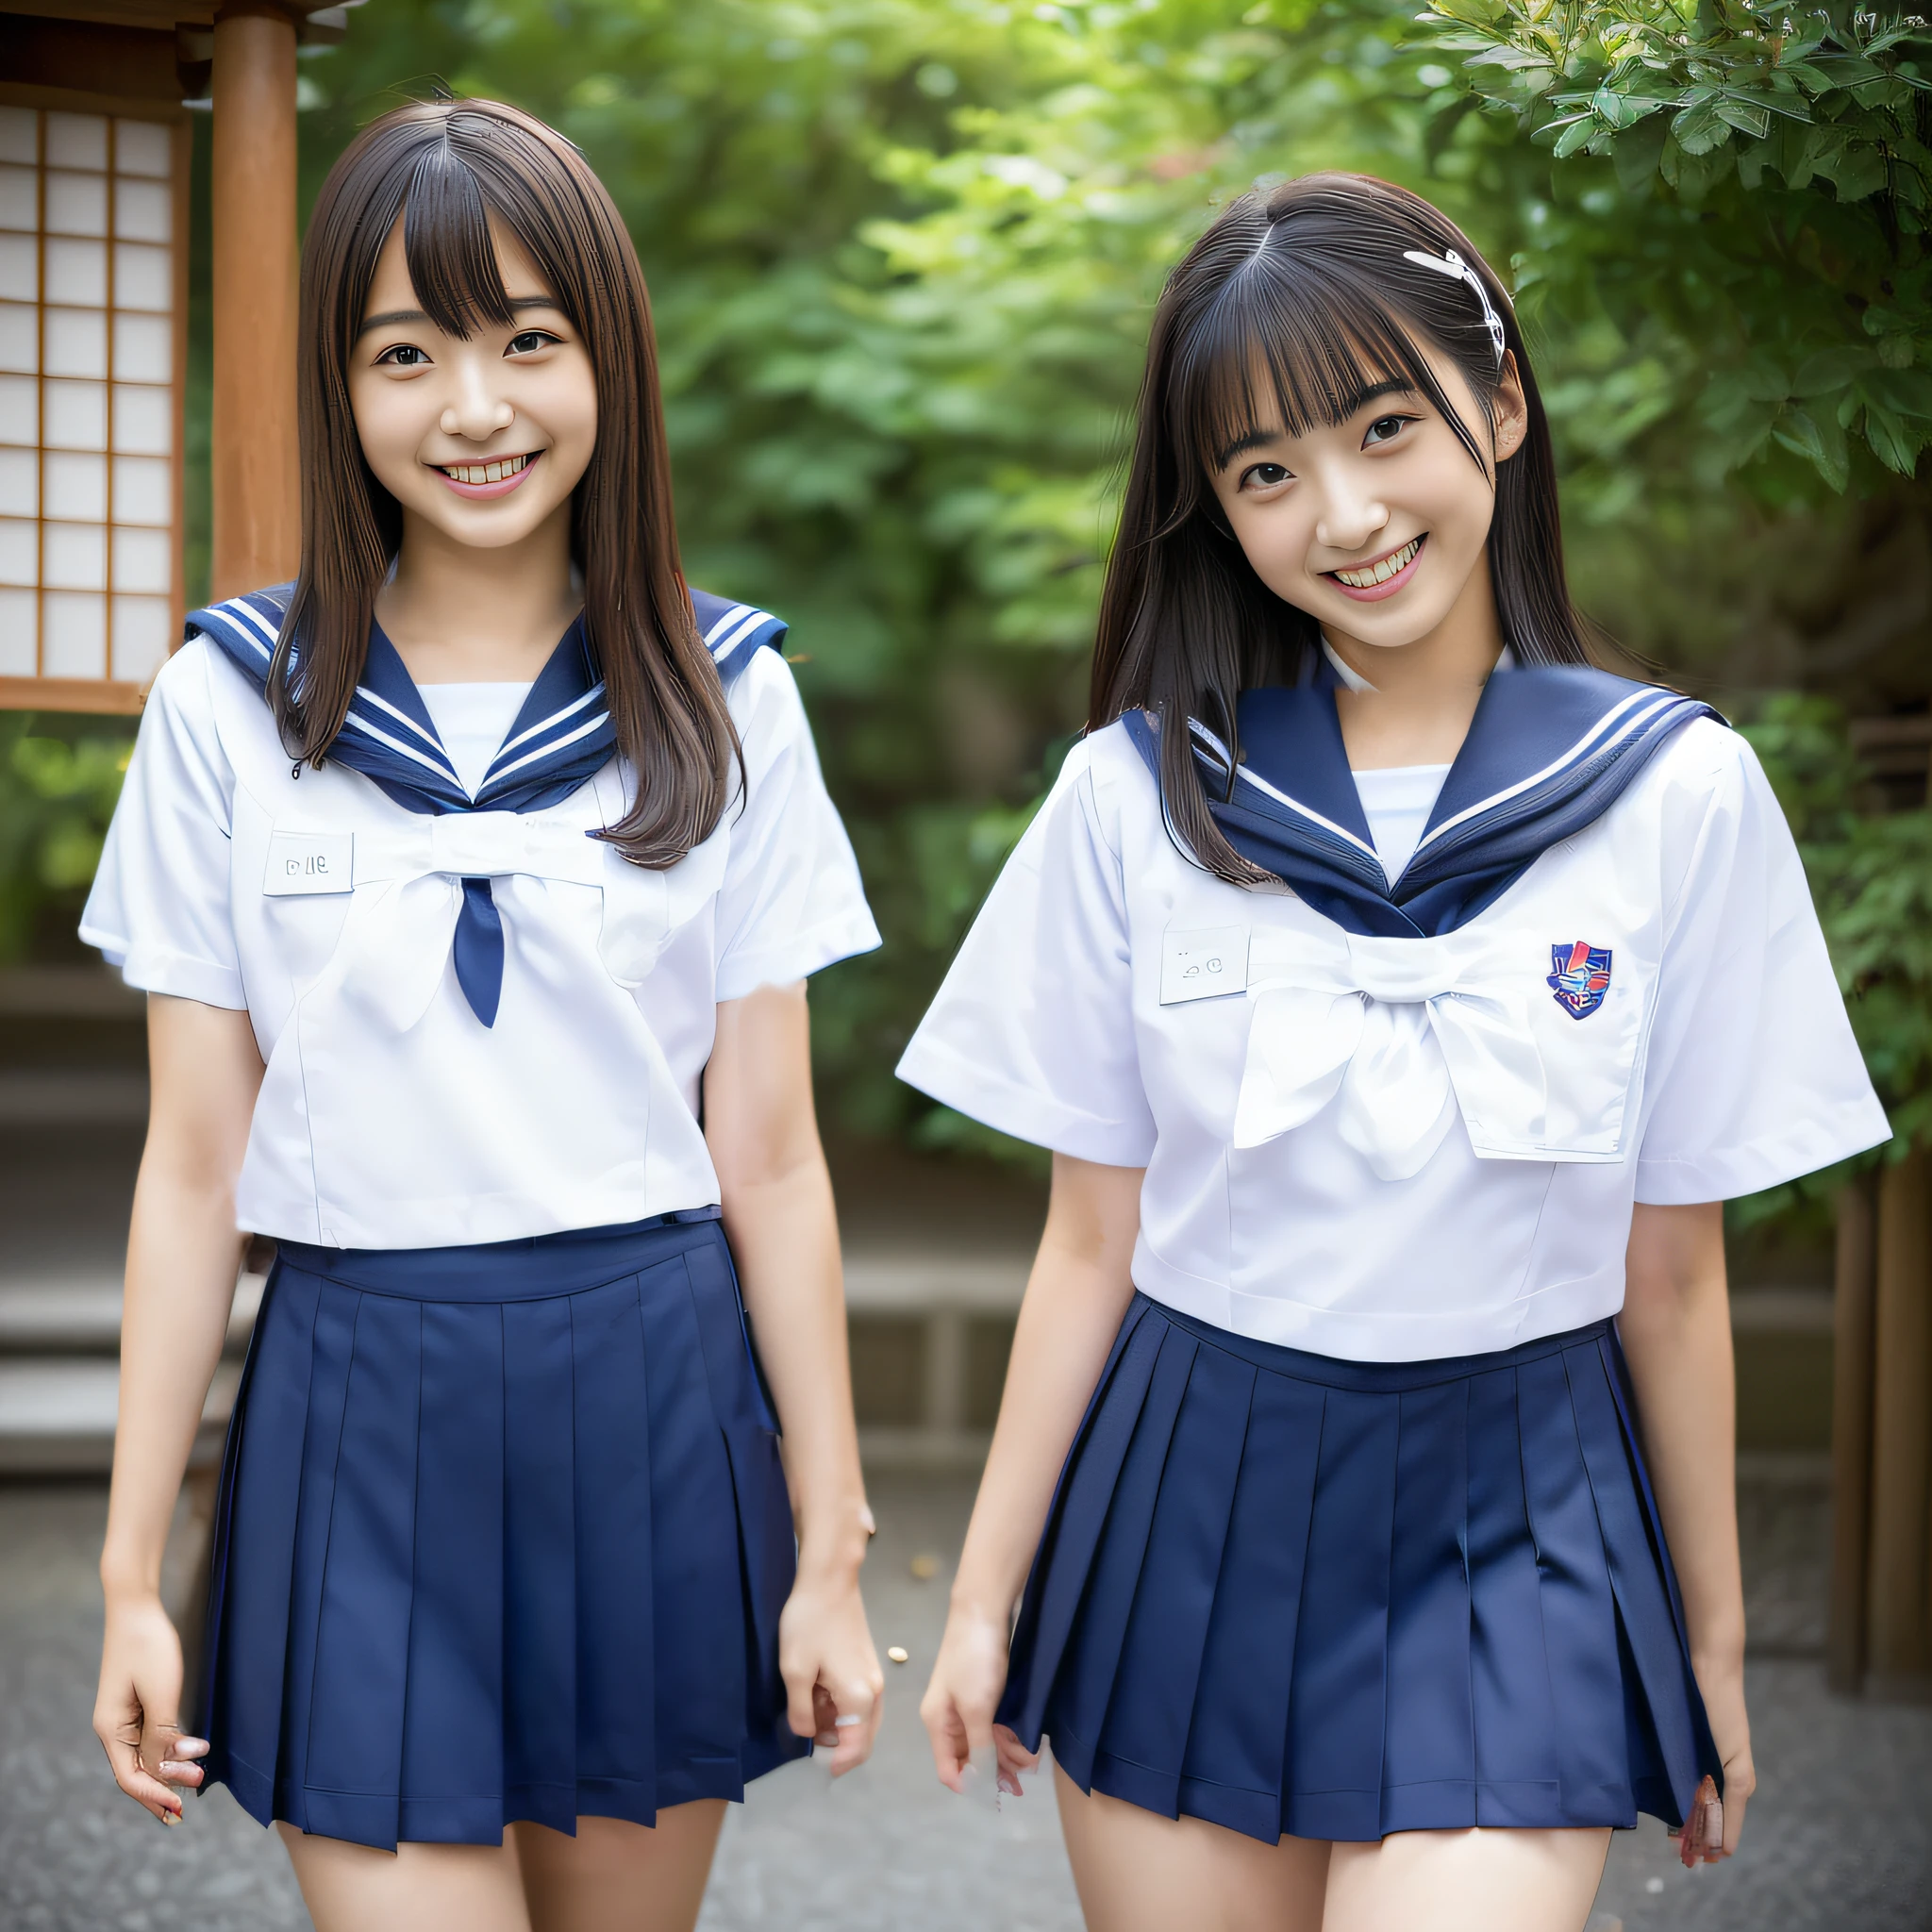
95,104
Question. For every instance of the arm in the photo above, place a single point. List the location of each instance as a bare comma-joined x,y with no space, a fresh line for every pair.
1676,1333
1076,1297
182,1253
784,1234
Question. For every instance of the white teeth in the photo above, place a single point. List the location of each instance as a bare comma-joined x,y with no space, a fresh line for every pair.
1392,565
485,473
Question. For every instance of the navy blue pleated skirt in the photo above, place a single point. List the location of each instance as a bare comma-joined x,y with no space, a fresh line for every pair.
502,1535
1334,1600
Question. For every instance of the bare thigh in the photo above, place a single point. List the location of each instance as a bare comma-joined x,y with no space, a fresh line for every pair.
1139,1872
414,1889
1466,1881
618,1877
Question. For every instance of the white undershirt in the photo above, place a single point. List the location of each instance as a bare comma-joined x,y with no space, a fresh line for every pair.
1397,802
472,720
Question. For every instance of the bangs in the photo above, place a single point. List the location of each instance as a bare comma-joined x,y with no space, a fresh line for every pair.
1285,343
448,246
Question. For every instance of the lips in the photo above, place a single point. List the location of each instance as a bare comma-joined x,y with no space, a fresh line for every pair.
496,477
1380,576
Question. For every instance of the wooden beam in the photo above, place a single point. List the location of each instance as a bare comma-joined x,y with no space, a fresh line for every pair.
1851,1433
121,62
97,694
258,531
1899,1654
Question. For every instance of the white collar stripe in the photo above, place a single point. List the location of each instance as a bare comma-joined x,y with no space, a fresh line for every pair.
551,723
1642,707
752,621
723,620
544,751
396,745
401,717
1262,786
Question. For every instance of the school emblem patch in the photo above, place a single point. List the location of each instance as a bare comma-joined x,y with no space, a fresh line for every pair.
1580,977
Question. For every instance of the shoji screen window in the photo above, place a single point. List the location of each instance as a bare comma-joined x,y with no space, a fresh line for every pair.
91,328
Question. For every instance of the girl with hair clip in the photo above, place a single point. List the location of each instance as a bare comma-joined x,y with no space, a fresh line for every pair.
473,879
1400,998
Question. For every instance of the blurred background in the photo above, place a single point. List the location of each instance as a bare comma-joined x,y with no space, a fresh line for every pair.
902,254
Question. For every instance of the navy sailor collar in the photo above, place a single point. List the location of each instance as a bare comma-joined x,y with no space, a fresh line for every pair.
1551,748
561,735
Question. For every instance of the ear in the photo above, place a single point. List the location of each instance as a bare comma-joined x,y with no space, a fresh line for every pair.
1511,410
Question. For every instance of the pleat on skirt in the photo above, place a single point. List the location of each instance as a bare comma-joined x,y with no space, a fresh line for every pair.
1292,1595
502,1535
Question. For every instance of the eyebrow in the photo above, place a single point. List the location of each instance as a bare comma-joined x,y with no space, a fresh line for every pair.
390,315
1349,406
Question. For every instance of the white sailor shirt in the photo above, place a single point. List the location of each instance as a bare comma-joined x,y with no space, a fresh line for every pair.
1392,1149
389,1116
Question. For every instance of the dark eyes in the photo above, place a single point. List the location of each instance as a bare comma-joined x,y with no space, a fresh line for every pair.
407,356
1385,429
1265,476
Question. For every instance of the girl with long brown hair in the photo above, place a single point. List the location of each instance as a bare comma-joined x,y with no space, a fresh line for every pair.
473,879
1400,997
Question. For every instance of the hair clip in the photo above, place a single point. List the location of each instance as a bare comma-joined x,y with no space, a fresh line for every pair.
1451,264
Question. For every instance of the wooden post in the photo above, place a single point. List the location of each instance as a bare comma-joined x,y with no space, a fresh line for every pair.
258,530
1851,1433
1899,1654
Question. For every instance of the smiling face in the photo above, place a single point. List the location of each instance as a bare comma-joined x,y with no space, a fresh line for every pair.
483,438
1376,525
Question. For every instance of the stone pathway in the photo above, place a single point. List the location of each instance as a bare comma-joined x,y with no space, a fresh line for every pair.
1841,1832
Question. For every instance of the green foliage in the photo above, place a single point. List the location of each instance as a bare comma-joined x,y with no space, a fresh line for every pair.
1799,134
56,794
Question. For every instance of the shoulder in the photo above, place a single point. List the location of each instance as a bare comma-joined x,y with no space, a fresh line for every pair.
185,696
1706,766
763,697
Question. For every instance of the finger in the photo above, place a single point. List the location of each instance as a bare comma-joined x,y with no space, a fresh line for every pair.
799,1700
124,1757
947,1735
860,1704
1014,1758
179,1767
1734,1822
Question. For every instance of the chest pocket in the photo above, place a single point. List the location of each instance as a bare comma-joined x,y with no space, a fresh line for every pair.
1408,1034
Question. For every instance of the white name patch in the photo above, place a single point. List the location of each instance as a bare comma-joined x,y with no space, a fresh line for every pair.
302,862
1202,964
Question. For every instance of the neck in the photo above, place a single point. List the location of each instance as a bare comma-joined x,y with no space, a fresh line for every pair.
1426,693
458,614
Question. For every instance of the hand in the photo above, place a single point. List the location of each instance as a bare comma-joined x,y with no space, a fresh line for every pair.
137,1707
964,1691
1723,1686
832,1677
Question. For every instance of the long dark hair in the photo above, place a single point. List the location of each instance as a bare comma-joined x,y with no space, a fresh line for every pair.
1307,283
447,167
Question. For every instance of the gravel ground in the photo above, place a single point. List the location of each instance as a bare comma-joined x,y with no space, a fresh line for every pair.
1841,1834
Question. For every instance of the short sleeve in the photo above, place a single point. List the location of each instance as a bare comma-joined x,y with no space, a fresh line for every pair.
160,908
1753,1077
792,901
1033,1030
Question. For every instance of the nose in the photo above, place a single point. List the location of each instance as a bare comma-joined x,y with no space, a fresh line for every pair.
1351,512
476,410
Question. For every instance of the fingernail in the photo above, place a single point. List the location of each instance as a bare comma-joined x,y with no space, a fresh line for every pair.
191,1747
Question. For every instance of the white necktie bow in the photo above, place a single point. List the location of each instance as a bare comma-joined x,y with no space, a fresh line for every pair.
1405,1031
